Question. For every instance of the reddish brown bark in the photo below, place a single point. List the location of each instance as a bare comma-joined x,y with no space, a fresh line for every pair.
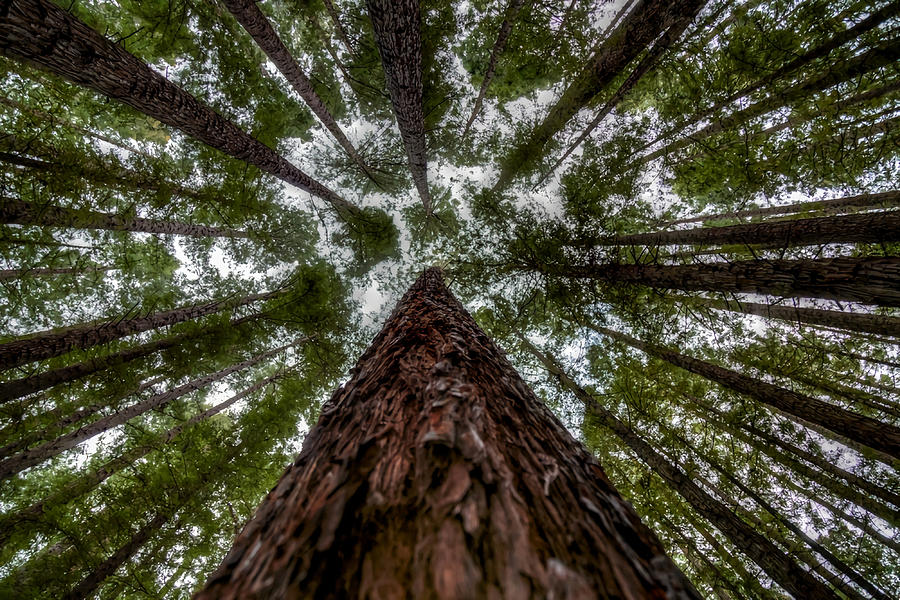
41,33
257,25
398,32
436,473
52,343
861,429
49,215
779,566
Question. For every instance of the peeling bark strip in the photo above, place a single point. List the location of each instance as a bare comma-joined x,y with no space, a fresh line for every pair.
49,215
257,25
41,33
398,33
436,473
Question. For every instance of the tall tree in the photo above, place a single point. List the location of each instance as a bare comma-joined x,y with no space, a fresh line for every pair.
398,33
514,506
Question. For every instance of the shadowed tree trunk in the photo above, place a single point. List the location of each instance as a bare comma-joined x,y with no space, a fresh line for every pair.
862,429
54,342
512,11
644,23
41,33
435,472
398,33
778,565
869,280
257,25
49,215
7,274
335,19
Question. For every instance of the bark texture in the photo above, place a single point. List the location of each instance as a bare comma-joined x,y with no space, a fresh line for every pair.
51,343
859,428
436,473
260,29
398,32
779,566
41,33
49,215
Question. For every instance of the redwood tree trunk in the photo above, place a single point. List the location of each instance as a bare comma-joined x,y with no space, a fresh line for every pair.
51,343
41,33
435,472
257,25
859,428
49,215
398,32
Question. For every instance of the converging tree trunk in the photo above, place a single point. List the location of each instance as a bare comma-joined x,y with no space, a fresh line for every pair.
436,472
54,342
398,32
7,274
257,25
44,34
49,215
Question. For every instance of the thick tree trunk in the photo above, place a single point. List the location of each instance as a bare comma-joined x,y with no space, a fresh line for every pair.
849,321
7,274
51,343
866,228
512,12
257,25
49,215
868,280
29,458
859,428
779,566
25,517
42,33
435,472
398,32
645,23
884,200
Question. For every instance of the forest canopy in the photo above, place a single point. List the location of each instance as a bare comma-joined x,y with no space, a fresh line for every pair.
679,219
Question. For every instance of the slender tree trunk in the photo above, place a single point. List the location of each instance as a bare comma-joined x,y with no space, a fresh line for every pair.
866,228
779,566
7,274
864,430
398,32
645,23
335,19
49,215
435,472
257,25
868,280
848,321
48,450
44,34
512,12
880,200
76,488
52,343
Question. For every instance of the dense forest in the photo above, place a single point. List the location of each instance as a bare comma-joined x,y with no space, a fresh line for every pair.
678,219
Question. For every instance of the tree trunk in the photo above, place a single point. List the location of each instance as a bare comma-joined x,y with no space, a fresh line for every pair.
398,33
335,19
29,458
779,566
861,429
435,472
644,23
48,215
512,12
868,280
41,33
866,228
849,321
52,343
884,200
25,517
7,274
257,25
